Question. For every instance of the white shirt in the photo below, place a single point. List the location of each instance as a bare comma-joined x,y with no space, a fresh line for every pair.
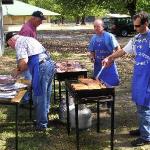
130,46
28,46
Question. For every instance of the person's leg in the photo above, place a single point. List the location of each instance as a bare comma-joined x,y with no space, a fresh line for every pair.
49,92
136,132
51,72
43,102
144,118
144,126
41,113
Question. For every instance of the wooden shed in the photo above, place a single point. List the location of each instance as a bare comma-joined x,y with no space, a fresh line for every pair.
19,12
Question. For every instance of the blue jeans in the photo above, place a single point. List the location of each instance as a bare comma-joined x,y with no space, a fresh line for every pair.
26,74
144,121
42,103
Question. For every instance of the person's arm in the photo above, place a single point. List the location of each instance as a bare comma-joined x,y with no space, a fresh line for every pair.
113,43
22,66
108,60
117,48
91,51
128,48
91,55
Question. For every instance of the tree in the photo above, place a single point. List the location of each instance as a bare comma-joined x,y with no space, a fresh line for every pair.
125,6
80,8
143,5
131,6
46,4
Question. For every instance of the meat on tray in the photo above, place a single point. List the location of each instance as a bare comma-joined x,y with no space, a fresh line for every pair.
79,86
92,82
7,79
69,66
86,83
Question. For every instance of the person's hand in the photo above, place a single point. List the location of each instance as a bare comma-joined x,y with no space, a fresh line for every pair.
107,61
92,59
15,72
91,56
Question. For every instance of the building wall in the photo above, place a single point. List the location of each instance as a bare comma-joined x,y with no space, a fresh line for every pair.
17,21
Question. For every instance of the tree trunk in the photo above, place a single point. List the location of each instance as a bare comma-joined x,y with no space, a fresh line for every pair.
83,20
77,20
62,19
131,6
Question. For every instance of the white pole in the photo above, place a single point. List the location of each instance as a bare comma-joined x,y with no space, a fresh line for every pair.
1,31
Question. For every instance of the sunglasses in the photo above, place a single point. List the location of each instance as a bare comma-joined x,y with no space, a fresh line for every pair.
137,26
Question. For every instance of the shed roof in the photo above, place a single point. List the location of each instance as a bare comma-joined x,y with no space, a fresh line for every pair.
118,15
23,9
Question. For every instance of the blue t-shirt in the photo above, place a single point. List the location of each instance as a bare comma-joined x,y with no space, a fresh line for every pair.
109,39
103,46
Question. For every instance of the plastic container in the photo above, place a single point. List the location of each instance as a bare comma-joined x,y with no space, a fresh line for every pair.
63,109
84,117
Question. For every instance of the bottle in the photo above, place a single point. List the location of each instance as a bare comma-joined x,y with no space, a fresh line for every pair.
84,117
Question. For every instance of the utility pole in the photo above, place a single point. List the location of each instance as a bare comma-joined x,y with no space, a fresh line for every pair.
1,31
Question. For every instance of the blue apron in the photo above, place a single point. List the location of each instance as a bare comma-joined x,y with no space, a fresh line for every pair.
141,75
109,75
33,64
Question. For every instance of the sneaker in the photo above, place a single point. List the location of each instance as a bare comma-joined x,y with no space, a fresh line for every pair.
139,142
134,132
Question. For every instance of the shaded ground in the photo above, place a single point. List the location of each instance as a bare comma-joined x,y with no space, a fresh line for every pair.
75,41
73,45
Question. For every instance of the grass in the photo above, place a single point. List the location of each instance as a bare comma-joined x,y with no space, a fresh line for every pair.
56,137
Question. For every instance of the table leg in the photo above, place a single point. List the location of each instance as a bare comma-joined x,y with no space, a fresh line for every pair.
98,116
16,126
77,125
85,75
30,111
68,114
112,123
59,91
54,90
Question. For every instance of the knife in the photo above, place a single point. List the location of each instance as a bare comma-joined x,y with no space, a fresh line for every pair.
100,72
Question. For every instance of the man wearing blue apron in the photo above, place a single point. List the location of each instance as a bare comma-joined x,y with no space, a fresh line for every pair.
140,47
32,55
103,44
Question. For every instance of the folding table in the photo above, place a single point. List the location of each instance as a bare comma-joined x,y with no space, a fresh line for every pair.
90,96
14,102
69,75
